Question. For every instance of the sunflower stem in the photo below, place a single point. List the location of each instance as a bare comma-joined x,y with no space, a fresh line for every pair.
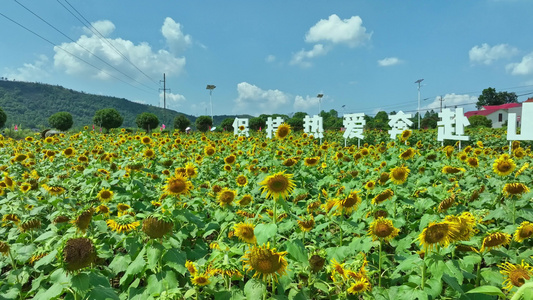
478,272
423,272
264,290
379,263
14,266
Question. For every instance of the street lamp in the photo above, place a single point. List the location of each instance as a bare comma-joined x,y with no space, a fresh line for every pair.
419,81
211,87
319,96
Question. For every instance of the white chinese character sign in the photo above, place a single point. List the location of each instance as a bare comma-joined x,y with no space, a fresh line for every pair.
240,127
526,128
354,124
452,125
399,122
313,125
272,125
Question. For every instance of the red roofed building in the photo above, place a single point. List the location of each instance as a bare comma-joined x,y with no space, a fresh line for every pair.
498,113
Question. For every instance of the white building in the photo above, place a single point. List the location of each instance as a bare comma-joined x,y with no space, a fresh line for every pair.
498,113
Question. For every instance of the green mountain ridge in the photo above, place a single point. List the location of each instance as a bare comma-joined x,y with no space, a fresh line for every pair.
30,104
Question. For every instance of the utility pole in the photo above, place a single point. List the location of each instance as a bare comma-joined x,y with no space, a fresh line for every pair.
164,89
441,100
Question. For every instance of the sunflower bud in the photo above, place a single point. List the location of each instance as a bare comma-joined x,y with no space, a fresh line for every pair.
156,227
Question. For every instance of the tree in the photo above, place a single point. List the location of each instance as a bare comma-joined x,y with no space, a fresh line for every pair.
61,121
489,96
430,120
3,118
181,123
147,121
296,124
227,124
479,121
108,118
257,123
203,123
380,121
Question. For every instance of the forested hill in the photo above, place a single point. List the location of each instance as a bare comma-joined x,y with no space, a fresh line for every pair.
29,105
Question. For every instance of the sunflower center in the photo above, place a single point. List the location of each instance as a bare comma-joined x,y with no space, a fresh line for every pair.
504,166
349,201
265,262
526,231
436,233
518,277
382,230
177,186
226,197
278,184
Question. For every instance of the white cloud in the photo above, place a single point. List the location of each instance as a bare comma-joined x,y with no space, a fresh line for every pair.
103,27
467,102
389,61
152,62
337,31
176,40
525,67
485,54
302,56
173,101
255,101
270,58
305,104
35,71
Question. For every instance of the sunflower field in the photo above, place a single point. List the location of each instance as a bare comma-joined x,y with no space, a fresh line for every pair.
130,215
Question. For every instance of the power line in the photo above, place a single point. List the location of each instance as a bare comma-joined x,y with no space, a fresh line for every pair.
73,55
102,37
87,50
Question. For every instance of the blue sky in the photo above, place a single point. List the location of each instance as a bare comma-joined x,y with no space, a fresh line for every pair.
274,56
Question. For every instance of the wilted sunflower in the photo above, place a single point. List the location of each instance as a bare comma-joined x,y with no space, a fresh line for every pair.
10,218
125,224
521,170
383,196
156,226
83,221
289,162
178,185
524,231
515,189
283,131
337,269
349,204
382,229
4,248
311,161
105,195
442,233
467,224
225,197
451,170
495,240
245,232
360,286
78,253
408,154
516,275
306,224
30,224
241,180
265,262
278,185
245,200
398,175
504,165
447,203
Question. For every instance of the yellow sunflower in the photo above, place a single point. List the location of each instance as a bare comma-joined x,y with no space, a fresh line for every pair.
524,231
311,161
149,153
245,200
398,175
451,170
348,204
245,232
241,180
495,240
467,224
178,185
123,224
408,154
209,151
265,262
105,195
382,229
306,224
515,275
190,170
442,233
225,197
201,279
515,189
504,165
279,185
359,286
230,159
283,131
